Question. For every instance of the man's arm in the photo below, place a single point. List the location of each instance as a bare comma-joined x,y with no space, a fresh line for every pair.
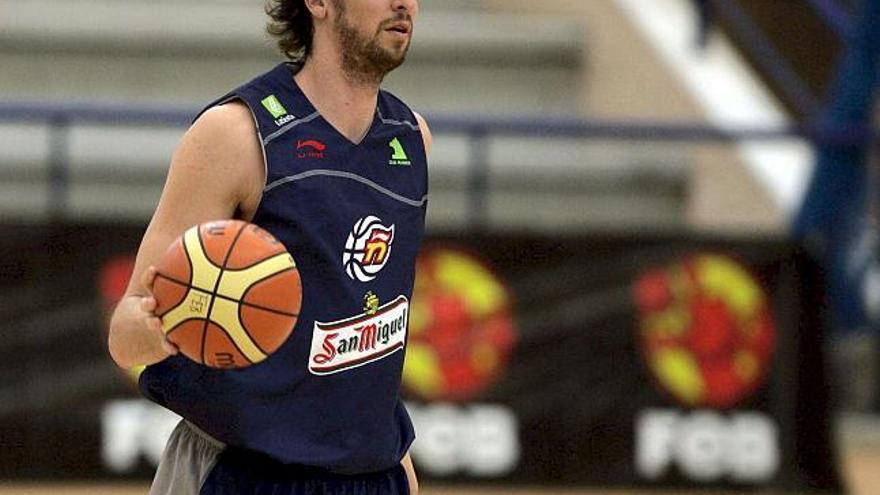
407,459
216,172
426,133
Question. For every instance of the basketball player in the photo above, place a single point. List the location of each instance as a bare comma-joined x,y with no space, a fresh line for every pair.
334,168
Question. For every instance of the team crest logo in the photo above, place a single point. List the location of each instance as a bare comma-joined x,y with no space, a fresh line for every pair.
367,249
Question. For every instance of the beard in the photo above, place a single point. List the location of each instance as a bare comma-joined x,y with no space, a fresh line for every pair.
365,60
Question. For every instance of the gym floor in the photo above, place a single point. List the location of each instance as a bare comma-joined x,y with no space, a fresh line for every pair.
861,469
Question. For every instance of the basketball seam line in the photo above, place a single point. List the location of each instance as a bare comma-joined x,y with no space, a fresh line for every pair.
185,284
255,341
255,264
205,250
214,292
176,281
267,277
171,308
179,325
225,298
189,260
243,326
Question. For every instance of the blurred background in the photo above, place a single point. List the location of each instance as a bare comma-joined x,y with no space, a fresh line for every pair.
652,251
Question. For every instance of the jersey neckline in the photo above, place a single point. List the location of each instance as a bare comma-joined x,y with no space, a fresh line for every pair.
293,69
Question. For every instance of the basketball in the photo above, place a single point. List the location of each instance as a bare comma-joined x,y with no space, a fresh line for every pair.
228,294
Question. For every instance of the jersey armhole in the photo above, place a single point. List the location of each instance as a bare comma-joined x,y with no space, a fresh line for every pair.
415,126
235,97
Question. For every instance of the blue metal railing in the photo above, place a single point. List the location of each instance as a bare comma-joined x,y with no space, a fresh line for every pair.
835,16
63,114
766,55
60,116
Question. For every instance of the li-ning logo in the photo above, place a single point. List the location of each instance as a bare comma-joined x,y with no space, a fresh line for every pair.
274,106
345,344
367,249
399,157
310,148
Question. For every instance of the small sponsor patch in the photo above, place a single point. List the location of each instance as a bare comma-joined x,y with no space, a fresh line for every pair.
399,158
353,342
310,149
273,105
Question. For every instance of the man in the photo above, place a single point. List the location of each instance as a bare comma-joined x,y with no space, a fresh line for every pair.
316,154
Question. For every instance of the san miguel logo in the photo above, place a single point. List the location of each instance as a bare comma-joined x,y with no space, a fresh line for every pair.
367,249
707,333
310,148
373,335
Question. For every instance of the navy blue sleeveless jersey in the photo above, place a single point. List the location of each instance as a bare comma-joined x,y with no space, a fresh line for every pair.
352,215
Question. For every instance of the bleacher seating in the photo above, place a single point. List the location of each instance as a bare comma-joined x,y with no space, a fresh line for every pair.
184,53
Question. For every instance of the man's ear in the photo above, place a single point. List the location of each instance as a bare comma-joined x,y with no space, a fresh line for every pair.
318,8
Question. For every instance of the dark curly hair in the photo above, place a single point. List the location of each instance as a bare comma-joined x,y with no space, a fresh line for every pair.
291,23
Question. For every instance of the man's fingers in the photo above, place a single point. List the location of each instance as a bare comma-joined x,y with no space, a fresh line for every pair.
148,304
154,323
169,347
148,277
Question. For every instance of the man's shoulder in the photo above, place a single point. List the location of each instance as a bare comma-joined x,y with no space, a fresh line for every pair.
398,112
393,107
266,84
231,117
280,73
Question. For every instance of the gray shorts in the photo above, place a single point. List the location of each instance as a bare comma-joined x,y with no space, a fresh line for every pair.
196,464
188,458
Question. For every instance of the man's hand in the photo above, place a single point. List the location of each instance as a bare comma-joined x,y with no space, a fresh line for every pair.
135,323
410,474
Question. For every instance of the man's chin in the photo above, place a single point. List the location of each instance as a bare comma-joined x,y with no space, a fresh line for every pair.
393,59
396,49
